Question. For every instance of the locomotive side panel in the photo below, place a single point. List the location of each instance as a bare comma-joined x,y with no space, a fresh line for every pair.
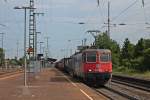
78,65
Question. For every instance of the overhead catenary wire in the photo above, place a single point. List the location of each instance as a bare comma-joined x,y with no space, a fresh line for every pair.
101,10
126,9
144,11
101,4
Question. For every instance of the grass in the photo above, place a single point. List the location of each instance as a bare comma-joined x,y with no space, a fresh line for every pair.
131,72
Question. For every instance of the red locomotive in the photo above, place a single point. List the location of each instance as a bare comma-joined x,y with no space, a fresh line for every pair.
93,65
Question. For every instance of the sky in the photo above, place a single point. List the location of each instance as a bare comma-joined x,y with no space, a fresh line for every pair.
60,23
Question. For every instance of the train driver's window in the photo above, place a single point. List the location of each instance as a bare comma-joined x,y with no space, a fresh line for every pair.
84,58
91,57
105,57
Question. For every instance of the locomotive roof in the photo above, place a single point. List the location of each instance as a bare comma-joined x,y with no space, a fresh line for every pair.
100,50
92,50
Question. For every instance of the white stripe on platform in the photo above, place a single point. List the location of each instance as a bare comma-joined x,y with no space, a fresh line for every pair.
86,94
90,98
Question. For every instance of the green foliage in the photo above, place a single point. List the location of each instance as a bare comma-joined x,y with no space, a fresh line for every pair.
130,57
16,61
1,56
104,42
127,50
139,48
136,57
147,43
21,61
126,54
146,61
114,47
137,63
115,59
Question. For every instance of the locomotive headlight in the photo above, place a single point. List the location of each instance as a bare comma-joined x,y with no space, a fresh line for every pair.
90,70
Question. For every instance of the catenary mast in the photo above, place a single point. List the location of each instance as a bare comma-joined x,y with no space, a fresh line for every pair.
31,30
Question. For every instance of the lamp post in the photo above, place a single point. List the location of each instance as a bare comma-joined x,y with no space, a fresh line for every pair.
34,16
25,59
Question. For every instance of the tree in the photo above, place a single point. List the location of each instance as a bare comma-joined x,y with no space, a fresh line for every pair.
127,50
104,42
115,49
1,56
146,62
141,60
127,53
147,43
21,61
139,48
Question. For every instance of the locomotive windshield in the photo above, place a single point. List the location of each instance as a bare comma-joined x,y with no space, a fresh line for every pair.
91,57
105,57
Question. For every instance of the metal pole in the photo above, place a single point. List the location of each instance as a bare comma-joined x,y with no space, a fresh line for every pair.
35,32
41,47
31,30
47,49
17,49
2,39
3,48
25,60
35,38
108,19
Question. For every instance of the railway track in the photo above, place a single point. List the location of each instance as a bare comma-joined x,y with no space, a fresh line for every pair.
122,88
132,82
114,94
125,88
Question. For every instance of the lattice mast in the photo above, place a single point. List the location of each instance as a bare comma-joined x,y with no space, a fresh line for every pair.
32,30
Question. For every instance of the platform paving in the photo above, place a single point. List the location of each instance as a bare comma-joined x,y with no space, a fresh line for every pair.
50,84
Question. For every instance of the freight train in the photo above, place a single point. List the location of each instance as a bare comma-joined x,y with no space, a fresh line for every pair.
94,66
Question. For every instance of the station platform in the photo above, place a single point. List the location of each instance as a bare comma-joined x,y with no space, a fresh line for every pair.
50,84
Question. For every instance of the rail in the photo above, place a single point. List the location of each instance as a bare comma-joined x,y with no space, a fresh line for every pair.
126,88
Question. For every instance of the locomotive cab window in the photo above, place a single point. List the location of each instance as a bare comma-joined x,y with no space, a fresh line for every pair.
91,57
105,57
84,57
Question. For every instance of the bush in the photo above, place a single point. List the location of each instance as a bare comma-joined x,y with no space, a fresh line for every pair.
137,63
146,61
